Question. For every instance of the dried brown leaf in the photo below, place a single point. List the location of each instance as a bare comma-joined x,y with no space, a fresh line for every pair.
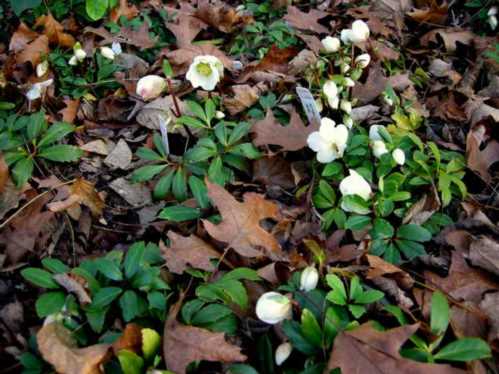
131,339
478,159
244,97
373,87
74,284
273,171
139,38
34,51
449,36
69,112
124,9
306,21
82,192
4,173
21,38
219,15
55,31
185,26
434,14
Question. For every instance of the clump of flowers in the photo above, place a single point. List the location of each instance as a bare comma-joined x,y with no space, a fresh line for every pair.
79,55
205,72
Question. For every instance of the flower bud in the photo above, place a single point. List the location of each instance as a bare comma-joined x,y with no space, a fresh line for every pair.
309,278
37,90
345,68
349,82
282,353
355,184
42,68
492,20
219,114
330,90
363,60
331,44
107,53
348,121
73,61
346,106
80,54
379,148
150,87
116,47
399,156
272,307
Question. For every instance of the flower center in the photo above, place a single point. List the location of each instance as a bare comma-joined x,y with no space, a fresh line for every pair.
204,68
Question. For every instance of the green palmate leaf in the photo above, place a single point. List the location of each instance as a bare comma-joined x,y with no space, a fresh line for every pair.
36,125
109,269
439,320
355,204
179,185
197,110
338,295
355,288
200,153
56,132
191,122
199,191
332,169
54,265
22,171
310,328
239,132
163,186
96,9
179,213
61,153
50,303
381,229
133,259
357,222
130,362
147,172
410,249
39,277
356,310
130,307
413,232
210,109
105,296
465,349
292,330
368,297
148,154
242,369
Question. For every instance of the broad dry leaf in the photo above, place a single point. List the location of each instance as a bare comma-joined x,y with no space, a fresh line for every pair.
244,97
449,36
124,9
21,38
240,227
34,51
58,348
4,173
484,253
423,209
373,87
185,26
292,137
130,339
273,171
434,14
69,112
379,267
219,14
306,21
55,31
74,284
139,38
184,344
366,350
479,158
188,250
82,192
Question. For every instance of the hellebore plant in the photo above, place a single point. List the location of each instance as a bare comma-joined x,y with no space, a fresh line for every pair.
272,308
205,72
329,142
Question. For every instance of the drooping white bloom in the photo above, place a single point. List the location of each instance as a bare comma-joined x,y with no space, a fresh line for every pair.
282,353
272,307
355,184
374,132
42,68
329,142
36,91
379,148
116,47
399,156
150,87
492,17
107,53
331,44
73,61
205,72
363,60
346,106
309,278
348,121
359,33
345,68
331,92
349,82
219,114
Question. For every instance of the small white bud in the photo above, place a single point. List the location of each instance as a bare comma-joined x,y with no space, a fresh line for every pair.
282,353
349,82
80,54
345,68
42,68
346,106
107,53
150,87
331,44
309,278
348,121
355,184
73,61
492,20
116,47
379,148
272,308
399,156
363,60
219,114
492,11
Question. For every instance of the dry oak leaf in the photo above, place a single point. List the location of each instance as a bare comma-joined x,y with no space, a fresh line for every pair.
292,137
54,31
124,9
34,51
59,349
449,36
244,97
21,38
378,352
185,26
306,21
81,192
219,15
139,38
435,14
240,227
184,251
478,159
184,344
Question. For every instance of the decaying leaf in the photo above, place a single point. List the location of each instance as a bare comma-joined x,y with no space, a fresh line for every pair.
244,97
4,173
69,112
366,350
58,347
81,192
373,87
139,38
435,14
184,251
240,227
478,159
74,284
450,38
184,344
273,171
291,137
306,21
34,51
21,38
124,9
54,31
218,14
185,26
484,253
130,339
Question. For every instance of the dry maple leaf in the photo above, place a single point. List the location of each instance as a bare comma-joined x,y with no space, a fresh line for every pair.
184,344
219,15
59,349
240,227
190,250
54,31
292,137
244,97
124,9
21,38
306,21
378,352
435,14
81,192
34,51
185,26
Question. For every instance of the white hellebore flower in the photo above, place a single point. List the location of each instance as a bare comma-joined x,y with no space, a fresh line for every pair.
282,353
363,60
150,87
399,156
107,53
492,20
309,278
116,47
42,68
272,307
355,184
331,92
346,106
374,132
349,82
73,61
329,142
36,90
379,148
205,72
359,33
219,114
331,44
345,68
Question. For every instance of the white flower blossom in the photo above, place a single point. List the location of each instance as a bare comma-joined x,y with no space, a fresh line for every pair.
349,82
205,72
331,92
309,278
42,68
363,60
116,47
359,33
282,352
107,53
379,148
36,91
399,156
150,87
346,106
348,121
219,114
329,142
73,61
331,44
272,307
355,184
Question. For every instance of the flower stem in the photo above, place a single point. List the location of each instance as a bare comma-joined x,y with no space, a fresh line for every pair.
176,112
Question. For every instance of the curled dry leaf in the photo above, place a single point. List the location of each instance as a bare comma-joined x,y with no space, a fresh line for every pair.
54,31
378,352
34,51
124,9
423,209
434,14
220,15
69,112
184,251
21,38
74,284
478,159
379,267
58,347
306,21
240,227
291,137
130,339
81,192
184,344
244,97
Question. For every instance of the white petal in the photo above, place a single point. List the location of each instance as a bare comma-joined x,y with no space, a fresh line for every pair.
327,129
330,89
379,148
374,132
315,141
326,155
346,36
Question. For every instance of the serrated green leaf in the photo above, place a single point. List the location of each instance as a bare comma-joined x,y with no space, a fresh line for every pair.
61,153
